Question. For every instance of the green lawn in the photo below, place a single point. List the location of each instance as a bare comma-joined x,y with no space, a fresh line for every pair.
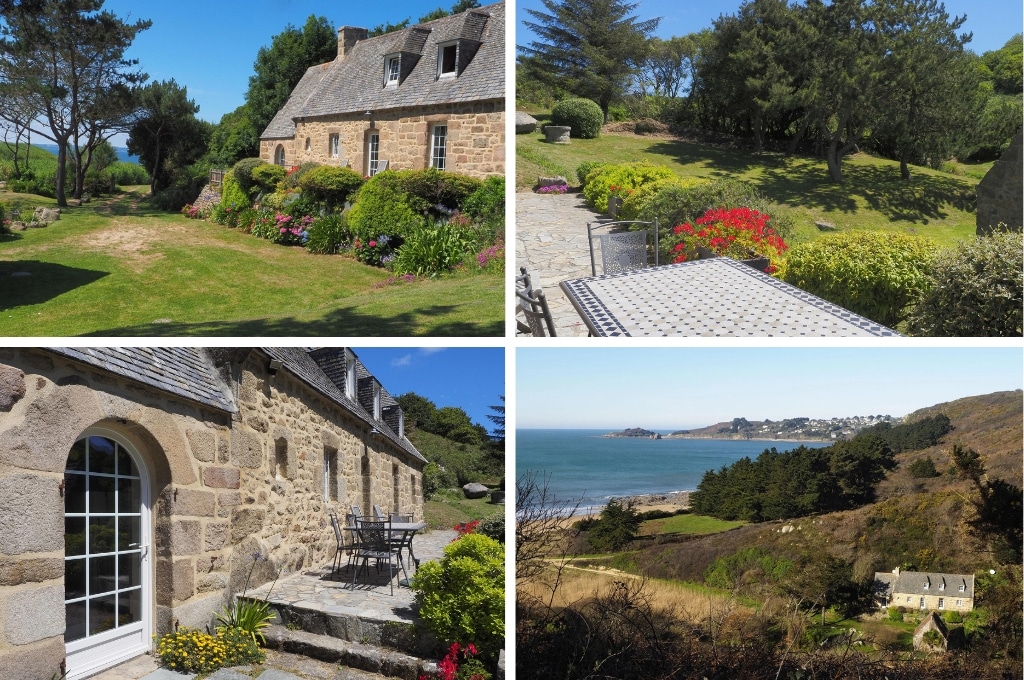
448,508
932,203
118,268
687,524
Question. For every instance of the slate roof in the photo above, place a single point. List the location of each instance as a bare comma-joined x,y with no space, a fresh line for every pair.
183,371
301,363
913,583
355,83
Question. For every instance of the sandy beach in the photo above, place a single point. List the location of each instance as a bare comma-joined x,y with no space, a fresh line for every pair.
666,502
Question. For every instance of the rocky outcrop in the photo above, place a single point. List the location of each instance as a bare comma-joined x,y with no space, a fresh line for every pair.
525,123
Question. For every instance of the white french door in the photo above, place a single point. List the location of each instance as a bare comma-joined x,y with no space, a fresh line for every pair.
107,590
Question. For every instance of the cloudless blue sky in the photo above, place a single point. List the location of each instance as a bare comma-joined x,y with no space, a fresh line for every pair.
992,22
210,47
692,387
472,378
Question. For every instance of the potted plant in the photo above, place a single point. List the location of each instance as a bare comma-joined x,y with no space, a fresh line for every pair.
740,233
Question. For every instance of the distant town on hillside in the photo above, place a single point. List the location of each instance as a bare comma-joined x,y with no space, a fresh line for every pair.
788,429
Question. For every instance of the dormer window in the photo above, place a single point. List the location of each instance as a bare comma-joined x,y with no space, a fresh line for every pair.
392,70
962,588
447,59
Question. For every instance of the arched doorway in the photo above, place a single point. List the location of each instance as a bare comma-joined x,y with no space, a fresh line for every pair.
279,155
107,553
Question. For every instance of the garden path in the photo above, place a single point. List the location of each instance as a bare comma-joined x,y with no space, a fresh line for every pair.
551,242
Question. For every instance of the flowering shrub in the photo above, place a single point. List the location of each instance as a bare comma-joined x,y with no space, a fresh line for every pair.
462,596
378,252
191,651
493,256
553,189
465,528
190,211
621,180
459,664
291,231
739,233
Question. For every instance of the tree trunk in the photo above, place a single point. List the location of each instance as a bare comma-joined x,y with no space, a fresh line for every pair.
61,177
904,168
834,159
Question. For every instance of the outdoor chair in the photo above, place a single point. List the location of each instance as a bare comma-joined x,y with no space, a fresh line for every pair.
534,306
405,540
340,538
355,511
375,543
378,513
622,248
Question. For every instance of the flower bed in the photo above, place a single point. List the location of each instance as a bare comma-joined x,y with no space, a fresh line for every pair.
739,233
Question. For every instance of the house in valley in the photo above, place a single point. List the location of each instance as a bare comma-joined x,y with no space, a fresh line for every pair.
431,95
925,591
138,484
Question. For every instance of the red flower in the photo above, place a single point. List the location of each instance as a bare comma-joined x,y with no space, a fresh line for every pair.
373,244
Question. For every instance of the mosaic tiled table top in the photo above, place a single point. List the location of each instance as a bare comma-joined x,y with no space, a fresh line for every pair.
719,297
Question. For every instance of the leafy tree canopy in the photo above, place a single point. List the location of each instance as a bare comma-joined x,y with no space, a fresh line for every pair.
167,135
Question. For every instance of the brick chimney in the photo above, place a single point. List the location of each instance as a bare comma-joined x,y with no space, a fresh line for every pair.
348,36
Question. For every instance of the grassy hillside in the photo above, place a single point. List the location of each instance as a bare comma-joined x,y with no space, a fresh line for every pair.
936,204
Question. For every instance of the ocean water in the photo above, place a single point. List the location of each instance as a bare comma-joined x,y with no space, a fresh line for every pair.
583,464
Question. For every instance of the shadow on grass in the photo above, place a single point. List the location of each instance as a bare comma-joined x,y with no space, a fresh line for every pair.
30,282
336,323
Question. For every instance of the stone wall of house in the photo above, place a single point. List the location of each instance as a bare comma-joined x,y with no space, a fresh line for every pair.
931,602
475,144
223,487
1000,198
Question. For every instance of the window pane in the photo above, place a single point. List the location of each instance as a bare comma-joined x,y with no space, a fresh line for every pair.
74,536
129,572
76,459
101,575
128,495
101,535
74,493
129,607
448,59
101,494
101,455
129,533
74,617
101,614
74,579
125,464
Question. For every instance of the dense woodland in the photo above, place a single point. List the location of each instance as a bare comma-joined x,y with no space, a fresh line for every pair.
896,77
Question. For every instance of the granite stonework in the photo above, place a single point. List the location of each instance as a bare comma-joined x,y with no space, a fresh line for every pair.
234,449
1000,198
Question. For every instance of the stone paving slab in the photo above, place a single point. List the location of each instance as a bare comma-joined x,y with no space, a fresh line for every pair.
551,242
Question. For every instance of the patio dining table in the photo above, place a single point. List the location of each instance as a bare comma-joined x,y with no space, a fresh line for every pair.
405,531
717,297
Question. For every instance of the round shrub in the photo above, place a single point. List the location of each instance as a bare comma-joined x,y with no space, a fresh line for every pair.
243,170
231,193
380,207
433,249
638,202
330,185
584,116
584,169
621,180
975,289
266,177
328,234
494,527
292,179
431,189
487,204
462,596
875,274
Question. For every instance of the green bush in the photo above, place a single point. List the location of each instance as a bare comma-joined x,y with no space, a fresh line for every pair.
487,204
292,179
952,617
266,177
433,249
584,169
894,614
330,185
191,651
381,208
436,478
430,188
975,289
923,468
462,596
242,172
621,180
584,116
639,202
493,526
875,274
328,234
128,174
231,193
264,224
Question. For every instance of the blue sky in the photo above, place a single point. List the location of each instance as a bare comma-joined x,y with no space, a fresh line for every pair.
992,22
472,378
210,47
697,386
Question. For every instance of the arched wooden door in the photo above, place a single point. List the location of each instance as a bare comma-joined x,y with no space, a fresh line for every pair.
107,575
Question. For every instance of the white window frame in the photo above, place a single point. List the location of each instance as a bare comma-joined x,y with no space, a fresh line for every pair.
372,153
392,70
942,603
441,48
279,155
439,146
334,145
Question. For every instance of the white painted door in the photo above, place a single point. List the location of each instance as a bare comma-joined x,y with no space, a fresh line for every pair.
107,588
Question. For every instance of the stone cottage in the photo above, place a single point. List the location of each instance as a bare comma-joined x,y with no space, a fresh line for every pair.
431,95
137,484
925,591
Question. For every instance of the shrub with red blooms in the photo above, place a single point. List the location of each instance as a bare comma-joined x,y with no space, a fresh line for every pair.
459,664
739,233
466,528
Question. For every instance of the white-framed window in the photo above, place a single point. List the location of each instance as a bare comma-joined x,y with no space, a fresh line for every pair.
962,588
959,603
279,155
309,143
447,59
330,475
439,146
942,603
922,603
372,153
392,70
334,145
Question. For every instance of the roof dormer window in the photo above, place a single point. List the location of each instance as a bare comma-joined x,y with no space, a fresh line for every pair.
447,60
392,70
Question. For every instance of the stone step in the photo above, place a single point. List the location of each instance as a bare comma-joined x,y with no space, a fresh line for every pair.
367,657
